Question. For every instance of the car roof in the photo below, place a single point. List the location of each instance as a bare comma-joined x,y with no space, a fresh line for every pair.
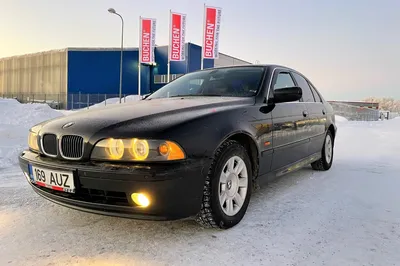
251,65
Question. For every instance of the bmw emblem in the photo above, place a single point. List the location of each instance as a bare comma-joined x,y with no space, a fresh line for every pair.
67,125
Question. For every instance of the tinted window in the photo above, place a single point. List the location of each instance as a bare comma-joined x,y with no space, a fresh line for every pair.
316,95
303,84
235,82
283,80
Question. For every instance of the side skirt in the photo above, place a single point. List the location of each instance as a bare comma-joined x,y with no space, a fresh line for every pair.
266,178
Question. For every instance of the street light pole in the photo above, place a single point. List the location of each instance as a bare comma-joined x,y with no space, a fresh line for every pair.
112,11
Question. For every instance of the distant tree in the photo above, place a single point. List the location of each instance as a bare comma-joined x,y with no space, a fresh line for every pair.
387,104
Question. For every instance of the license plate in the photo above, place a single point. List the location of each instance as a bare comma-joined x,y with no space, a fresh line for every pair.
54,179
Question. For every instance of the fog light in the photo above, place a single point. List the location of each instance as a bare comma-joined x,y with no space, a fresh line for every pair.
140,199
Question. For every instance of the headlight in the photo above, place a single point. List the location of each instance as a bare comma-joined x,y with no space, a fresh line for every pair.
137,150
33,141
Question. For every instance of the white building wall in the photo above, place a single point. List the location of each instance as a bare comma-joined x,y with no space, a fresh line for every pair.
39,74
226,60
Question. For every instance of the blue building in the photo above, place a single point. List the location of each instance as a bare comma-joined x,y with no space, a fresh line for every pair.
85,76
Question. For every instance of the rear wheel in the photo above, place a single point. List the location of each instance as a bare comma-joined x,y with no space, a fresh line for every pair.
227,188
326,160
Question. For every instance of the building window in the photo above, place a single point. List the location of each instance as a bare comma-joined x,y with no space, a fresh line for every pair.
162,79
159,79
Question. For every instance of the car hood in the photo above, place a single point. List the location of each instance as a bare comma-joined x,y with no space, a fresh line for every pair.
140,118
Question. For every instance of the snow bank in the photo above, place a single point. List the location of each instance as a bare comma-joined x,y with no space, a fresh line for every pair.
17,118
130,98
111,101
15,121
341,119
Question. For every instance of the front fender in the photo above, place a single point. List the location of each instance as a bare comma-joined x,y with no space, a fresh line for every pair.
202,136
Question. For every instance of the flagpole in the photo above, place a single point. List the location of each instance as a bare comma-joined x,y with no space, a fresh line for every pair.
169,47
140,53
202,45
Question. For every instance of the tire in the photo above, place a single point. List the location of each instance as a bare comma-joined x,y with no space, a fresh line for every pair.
229,186
325,162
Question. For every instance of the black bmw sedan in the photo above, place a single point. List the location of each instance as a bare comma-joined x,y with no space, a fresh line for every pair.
194,148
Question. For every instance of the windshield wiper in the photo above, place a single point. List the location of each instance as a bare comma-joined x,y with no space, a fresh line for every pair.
212,94
192,95
179,95
197,95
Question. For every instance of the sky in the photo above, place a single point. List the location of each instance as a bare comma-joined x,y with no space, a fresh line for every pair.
350,50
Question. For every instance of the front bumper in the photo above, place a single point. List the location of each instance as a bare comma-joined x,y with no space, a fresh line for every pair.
175,190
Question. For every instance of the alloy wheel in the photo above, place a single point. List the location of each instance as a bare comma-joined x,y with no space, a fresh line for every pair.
233,185
328,148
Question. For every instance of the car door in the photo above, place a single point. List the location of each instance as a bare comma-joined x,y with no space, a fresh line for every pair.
290,141
315,124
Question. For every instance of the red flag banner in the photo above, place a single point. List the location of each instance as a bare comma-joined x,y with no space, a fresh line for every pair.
211,31
147,40
177,37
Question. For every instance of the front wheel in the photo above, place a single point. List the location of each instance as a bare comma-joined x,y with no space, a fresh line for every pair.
227,188
326,160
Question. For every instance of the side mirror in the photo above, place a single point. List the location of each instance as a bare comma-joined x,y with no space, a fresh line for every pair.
288,94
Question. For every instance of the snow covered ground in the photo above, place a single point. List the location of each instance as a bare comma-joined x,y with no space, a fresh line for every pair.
349,215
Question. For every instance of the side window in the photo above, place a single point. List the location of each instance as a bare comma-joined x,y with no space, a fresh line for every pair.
283,80
316,95
303,84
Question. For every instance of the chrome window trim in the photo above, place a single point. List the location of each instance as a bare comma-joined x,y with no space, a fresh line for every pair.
272,77
288,70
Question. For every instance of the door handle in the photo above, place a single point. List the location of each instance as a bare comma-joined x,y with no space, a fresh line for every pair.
323,112
305,113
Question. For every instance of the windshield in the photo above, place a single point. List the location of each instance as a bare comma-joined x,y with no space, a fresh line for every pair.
231,82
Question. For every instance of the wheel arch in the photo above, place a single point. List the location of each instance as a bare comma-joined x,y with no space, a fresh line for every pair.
331,128
250,144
